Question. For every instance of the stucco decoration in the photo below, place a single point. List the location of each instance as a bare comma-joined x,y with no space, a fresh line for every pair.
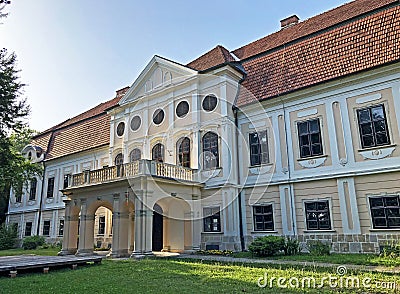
377,153
260,170
312,162
369,98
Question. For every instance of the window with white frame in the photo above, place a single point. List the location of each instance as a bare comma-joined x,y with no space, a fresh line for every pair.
385,211
32,191
212,219
46,228
310,139
28,229
318,215
263,217
373,126
50,187
102,225
210,151
157,153
183,152
258,144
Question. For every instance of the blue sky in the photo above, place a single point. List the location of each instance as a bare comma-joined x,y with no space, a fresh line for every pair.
74,54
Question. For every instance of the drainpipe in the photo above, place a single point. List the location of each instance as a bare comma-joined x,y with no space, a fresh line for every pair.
241,234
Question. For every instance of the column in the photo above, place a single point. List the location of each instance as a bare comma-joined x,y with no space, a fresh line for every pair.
69,243
120,228
86,231
143,227
196,222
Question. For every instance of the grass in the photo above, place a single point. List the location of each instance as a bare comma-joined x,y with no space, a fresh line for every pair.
358,259
48,251
172,276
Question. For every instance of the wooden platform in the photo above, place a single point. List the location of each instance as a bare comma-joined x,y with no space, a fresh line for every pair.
12,264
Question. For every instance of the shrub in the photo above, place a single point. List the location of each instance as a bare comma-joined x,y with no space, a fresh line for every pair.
292,246
267,246
8,236
391,249
33,242
317,247
215,252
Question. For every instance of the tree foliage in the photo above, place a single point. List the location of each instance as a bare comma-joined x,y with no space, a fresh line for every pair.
15,170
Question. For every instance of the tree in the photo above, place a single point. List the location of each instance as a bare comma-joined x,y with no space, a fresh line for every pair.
15,170
3,4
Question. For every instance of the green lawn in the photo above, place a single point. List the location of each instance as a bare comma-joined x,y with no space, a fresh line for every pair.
359,259
19,251
173,276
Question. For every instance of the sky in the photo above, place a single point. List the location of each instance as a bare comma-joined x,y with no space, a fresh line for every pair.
75,54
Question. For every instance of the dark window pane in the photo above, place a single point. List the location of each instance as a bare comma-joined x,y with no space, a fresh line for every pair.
380,126
381,138
120,129
317,215
376,201
392,201
368,141
314,126
303,128
385,211
304,140
305,151
378,212
209,103
135,123
366,129
377,113
364,116
158,116
316,149
263,218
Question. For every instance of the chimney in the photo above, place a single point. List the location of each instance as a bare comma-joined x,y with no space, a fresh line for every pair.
289,21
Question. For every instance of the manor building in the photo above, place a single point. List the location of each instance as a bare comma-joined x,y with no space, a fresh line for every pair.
294,134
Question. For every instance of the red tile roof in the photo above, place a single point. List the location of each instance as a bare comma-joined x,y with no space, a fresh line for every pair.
312,25
358,45
217,56
87,130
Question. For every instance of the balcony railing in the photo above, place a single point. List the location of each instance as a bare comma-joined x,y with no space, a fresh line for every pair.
129,170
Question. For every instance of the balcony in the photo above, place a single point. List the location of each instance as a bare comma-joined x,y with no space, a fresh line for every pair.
142,167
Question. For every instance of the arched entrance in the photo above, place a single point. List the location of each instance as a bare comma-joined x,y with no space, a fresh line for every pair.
157,237
103,229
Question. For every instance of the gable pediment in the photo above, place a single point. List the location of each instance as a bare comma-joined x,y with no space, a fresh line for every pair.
158,73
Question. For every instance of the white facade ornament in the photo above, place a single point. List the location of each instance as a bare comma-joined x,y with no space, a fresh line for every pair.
377,153
343,161
260,170
368,98
307,112
49,200
313,162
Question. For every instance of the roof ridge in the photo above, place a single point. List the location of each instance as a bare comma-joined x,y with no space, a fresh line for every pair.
309,26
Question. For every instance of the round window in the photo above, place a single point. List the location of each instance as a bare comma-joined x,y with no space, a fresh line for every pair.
120,129
209,103
135,123
158,116
182,109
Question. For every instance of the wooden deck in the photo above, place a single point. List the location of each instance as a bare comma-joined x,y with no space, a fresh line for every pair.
12,264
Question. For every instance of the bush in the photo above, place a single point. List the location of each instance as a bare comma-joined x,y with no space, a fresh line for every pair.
317,247
8,236
215,252
292,246
267,246
33,242
391,249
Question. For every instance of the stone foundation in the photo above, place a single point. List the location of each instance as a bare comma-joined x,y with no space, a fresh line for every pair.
220,241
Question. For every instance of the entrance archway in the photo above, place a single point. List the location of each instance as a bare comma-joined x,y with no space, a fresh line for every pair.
157,237
103,229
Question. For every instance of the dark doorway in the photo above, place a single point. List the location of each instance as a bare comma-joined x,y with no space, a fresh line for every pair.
157,228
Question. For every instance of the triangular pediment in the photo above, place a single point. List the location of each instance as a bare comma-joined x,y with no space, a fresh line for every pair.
158,73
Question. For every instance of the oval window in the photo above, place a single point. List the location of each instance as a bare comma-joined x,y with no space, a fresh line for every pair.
135,123
209,103
120,129
182,109
158,116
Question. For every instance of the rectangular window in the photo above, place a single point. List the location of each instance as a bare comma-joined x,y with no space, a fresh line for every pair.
310,140
317,215
28,229
66,181
50,187
263,218
61,228
258,144
102,225
46,228
385,212
212,219
32,191
373,126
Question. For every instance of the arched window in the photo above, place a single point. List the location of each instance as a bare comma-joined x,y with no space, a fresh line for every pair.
183,152
136,154
210,151
119,161
157,153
